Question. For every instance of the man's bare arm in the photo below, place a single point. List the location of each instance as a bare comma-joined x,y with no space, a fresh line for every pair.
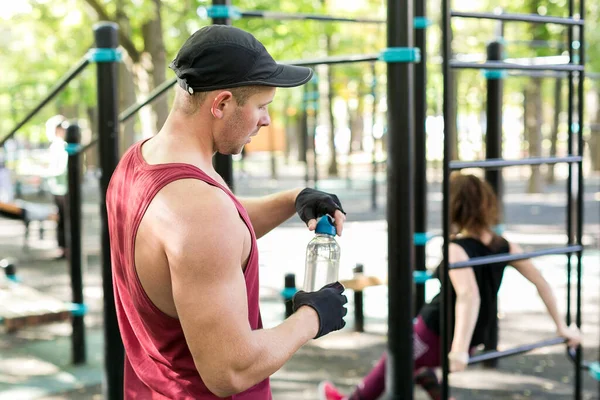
268,212
204,246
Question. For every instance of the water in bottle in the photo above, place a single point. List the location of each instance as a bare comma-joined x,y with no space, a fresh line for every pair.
322,257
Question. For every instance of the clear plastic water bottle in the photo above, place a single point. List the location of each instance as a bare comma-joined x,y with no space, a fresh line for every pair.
322,257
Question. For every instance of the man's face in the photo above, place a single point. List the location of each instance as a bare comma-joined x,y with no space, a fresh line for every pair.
245,121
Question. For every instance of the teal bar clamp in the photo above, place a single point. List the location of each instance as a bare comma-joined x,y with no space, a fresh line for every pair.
72,148
421,238
288,293
401,55
99,55
421,22
499,229
420,277
222,11
575,127
78,310
595,370
494,74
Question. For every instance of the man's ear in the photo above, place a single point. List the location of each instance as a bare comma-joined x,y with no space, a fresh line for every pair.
222,100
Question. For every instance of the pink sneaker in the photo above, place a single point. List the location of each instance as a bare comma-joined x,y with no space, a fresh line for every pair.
327,391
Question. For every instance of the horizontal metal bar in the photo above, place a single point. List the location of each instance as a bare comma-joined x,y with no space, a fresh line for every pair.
299,16
518,18
495,163
494,355
524,67
68,77
157,92
334,60
539,74
477,261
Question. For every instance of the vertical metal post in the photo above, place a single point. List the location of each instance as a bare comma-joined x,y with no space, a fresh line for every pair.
399,371
223,163
288,293
580,191
374,151
493,149
305,136
106,36
73,225
570,238
359,316
420,151
493,137
315,119
448,110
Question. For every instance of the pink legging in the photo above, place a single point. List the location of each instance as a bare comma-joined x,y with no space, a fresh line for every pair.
426,353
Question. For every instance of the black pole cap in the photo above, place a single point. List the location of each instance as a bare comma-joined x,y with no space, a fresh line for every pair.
73,134
9,265
290,281
106,35
359,269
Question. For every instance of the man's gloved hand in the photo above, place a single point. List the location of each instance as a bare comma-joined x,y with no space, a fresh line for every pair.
312,204
328,302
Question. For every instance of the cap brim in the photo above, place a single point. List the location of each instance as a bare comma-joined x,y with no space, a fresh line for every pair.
290,76
287,76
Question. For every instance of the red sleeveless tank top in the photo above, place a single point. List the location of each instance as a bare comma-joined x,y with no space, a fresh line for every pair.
158,362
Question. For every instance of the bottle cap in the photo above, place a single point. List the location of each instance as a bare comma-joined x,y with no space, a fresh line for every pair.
325,226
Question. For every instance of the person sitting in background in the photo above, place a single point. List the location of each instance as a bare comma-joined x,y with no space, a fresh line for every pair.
57,175
473,213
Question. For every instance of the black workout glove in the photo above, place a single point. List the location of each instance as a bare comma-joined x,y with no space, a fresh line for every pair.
312,204
328,302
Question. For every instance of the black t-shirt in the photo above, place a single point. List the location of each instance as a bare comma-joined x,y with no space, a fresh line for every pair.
489,278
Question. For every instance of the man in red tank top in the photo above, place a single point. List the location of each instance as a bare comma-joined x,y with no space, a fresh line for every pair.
183,247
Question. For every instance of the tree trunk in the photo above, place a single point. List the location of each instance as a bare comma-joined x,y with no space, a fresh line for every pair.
333,166
555,124
594,141
454,153
302,134
155,46
92,155
127,95
534,127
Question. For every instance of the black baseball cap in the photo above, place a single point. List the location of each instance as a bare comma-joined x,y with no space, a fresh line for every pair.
223,57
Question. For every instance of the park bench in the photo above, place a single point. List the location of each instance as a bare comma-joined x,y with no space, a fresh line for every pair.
28,212
22,306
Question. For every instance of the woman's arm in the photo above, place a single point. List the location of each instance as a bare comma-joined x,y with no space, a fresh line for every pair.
466,310
533,275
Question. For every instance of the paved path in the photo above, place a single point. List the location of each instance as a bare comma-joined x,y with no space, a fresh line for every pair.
35,362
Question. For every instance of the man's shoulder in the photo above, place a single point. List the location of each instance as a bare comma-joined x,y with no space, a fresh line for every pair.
195,198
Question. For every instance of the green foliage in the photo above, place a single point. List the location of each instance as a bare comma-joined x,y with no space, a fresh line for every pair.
40,40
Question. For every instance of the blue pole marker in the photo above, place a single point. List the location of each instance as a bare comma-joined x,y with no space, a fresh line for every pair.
499,229
595,370
401,55
220,11
420,277
78,310
72,148
421,22
288,293
421,238
575,127
493,74
99,55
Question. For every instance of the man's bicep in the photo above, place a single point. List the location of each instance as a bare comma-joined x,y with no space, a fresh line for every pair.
209,290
